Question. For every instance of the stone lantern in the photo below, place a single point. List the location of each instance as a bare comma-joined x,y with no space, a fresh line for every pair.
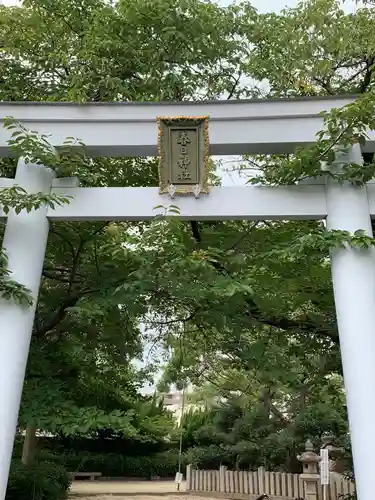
310,475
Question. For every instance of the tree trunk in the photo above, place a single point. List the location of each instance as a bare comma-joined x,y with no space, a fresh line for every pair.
29,446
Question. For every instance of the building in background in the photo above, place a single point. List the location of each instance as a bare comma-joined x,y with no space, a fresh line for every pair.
173,401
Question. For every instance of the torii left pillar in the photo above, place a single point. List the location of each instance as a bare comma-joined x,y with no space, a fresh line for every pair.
25,241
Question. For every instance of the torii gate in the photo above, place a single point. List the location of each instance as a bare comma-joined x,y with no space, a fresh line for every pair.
236,127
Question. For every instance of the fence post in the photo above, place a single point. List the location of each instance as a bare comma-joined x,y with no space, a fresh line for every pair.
222,474
261,471
188,477
310,476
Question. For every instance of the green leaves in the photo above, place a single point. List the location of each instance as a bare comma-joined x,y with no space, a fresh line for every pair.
313,49
36,148
32,146
18,199
131,50
10,289
167,210
320,243
342,129
72,420
298,53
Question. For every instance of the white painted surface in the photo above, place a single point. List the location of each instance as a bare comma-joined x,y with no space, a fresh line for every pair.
147,111
304,201
237,202
370,188
25,239
6,183
353,274
130,129
179,478
324,466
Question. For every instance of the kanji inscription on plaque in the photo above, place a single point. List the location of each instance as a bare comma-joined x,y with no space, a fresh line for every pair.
183,148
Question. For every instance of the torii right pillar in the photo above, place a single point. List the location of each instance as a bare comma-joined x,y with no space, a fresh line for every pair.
353,276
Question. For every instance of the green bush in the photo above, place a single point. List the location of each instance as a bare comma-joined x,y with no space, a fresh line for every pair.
207,457
163,464
113,465
42,481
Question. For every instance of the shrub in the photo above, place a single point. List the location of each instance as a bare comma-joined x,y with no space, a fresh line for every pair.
105,441
206,457
163,464
42,481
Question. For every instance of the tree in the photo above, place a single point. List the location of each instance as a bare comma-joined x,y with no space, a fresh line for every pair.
313,49
124,51
208,284
98,51
285,296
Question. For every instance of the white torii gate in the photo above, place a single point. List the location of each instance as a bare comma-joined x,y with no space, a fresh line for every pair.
236,127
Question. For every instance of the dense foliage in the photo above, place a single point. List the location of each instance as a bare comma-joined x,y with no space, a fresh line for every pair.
243,310
47,481
148,466
80,374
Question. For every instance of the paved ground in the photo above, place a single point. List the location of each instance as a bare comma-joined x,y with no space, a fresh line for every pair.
142,497
133,490
146,489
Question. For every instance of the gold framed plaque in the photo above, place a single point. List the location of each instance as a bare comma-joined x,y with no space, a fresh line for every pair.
183,144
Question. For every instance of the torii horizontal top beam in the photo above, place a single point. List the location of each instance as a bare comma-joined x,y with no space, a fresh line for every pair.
130,129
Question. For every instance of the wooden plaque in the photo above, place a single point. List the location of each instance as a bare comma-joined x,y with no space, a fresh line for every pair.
183,148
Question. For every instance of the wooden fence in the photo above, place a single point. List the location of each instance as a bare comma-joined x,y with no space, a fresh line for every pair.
275,484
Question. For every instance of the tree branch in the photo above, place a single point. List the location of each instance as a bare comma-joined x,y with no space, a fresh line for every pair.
71,301
178,320
243,236
71,298
56,277
233,89
325,85
64,239
196,233
290,324
254,312
367,79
